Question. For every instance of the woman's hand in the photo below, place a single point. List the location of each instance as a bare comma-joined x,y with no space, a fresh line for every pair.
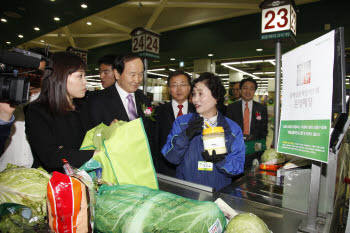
194,128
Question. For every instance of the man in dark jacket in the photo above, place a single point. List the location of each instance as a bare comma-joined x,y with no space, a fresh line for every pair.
179,84
250,115
123,100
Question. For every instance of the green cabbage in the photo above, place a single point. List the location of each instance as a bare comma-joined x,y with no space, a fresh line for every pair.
131,209
26,186
270,156
246,223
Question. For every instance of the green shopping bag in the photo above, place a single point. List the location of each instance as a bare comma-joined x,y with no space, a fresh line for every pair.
124,153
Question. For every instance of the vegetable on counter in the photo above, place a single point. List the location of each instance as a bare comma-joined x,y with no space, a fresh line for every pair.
130,209
247,223
26,186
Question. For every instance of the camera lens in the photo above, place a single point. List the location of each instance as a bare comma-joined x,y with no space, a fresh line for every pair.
14,90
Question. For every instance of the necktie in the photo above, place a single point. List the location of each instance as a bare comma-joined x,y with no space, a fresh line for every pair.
246,119
131,108
180,106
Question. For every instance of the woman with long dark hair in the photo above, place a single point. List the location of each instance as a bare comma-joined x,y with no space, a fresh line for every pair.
54,123
185,148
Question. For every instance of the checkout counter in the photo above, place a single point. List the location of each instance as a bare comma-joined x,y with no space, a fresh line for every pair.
244,195
259,192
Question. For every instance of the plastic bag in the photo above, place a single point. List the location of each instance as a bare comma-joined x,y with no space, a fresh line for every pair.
16,218
130,209
68,205
125,155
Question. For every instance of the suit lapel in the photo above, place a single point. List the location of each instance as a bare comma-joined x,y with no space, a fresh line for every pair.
120,109
170,112
252,123
139,103
240,114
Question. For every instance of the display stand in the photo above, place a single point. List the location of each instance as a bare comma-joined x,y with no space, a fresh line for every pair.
311,224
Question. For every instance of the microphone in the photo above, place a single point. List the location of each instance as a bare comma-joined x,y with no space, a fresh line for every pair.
21,58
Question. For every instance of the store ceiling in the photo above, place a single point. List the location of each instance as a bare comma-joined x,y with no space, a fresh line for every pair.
110,22
179,22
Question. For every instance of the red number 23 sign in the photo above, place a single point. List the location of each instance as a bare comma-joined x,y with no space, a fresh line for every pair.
278,19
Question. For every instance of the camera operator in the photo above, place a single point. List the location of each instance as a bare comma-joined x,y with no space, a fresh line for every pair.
6,121
14,146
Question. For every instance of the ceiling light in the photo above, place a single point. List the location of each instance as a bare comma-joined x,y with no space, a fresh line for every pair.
3,20
259,50
210,55
227,65
220,75
56,19
52,0
83,5
88,23
20,36
264,72
160,69
96,69
182,64
172,70
42,41
8,42
36,28
172,59
161,75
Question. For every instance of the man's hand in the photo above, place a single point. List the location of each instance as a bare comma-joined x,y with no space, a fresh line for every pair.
113,122
6,111
194,128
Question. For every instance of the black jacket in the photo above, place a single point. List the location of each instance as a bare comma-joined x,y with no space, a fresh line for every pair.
164,123
258,124
106,105
53,137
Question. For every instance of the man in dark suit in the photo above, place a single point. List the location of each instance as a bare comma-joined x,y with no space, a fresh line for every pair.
256,112
250,115
179,84
123,100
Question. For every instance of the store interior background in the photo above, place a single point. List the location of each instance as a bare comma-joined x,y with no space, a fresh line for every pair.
201,35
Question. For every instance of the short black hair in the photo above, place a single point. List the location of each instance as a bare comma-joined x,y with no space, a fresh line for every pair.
107,59
248,80
119,62
215,86
176,73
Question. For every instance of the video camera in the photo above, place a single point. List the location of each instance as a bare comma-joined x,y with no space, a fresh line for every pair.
14,85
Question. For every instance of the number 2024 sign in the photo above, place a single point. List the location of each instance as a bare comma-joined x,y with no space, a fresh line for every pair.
277,19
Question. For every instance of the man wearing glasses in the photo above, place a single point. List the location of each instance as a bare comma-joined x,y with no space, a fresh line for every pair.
123,100
179,84
105,64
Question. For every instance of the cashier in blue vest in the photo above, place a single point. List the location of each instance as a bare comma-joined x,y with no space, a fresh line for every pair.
184,146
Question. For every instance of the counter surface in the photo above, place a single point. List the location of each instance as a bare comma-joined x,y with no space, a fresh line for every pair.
265,204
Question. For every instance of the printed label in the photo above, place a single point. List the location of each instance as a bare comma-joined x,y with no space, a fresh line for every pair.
216,227
205,166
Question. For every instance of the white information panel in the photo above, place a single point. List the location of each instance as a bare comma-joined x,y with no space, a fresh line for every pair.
307,99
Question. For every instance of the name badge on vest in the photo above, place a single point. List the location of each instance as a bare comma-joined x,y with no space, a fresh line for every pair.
205,166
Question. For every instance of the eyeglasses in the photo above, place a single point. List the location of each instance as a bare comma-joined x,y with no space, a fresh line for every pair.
180,85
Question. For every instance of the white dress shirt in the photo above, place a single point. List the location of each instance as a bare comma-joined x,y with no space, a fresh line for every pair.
123,95
176,110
